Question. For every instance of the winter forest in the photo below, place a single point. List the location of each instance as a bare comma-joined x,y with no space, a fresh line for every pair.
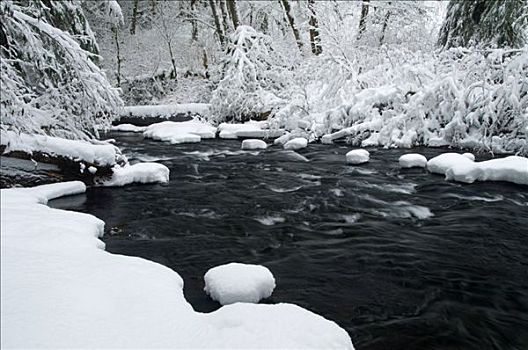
264,174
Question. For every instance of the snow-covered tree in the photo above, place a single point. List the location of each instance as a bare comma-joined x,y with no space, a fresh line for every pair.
485,23
49,83
253,78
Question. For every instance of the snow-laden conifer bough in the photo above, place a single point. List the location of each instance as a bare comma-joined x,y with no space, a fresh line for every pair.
60,289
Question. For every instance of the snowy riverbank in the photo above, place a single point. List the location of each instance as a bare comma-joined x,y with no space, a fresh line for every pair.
61,289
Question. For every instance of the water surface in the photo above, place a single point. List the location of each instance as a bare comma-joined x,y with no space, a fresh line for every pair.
399,258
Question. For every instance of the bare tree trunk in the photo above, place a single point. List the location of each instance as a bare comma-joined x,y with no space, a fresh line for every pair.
194,24
219,29
315,39
289,16
153,6
384,27
174,73
118,55
363,18
133,22
233,11
223,10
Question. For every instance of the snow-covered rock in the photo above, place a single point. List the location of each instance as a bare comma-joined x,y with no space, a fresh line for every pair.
296,143
469,156
413,160
239,283
60,289
128,128
253,144
440,164
229,131
138,173
251,129
180,132
511,169
357,156
100,154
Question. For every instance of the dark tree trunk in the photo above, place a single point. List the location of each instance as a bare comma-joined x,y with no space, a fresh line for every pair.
118,55
233,11
291,20
219,29
385,23
315,39
194,24
223,10
133,22
363,18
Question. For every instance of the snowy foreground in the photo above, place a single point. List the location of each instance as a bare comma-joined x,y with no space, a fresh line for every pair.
59,288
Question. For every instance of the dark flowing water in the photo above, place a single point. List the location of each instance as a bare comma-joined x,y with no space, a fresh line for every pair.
399,258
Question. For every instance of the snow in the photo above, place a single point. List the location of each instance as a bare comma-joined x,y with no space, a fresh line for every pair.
469,156
254,144
128,128
252,129
296,143
511,169
412,160
167,111
138,173
357,156
239,283
440,164
100,154
180,132
60,289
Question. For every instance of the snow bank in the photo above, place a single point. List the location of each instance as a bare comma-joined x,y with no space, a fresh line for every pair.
138,173
201,109
254,144
100,154
180,132
511,169
253,129
296,143
357,156
60,289
239,283
440,164
128,128
413,160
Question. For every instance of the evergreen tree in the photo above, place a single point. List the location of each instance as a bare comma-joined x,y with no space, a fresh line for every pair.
49,82
485,23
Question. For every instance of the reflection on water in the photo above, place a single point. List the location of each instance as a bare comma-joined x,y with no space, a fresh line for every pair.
399,258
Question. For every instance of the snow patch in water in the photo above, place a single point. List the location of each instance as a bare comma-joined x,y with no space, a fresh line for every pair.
270,220
239,283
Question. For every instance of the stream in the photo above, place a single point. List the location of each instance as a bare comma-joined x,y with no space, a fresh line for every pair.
401,259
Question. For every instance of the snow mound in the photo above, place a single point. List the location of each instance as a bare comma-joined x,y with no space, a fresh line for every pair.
357,156
138,173
511,169
296,143
167,111
413,160
252,129
254,144
180,132
469,156
239,283
440,164
100,154
128,128
61,289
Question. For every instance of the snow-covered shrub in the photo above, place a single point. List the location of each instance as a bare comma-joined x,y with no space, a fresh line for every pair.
460,97
49,83
253,78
